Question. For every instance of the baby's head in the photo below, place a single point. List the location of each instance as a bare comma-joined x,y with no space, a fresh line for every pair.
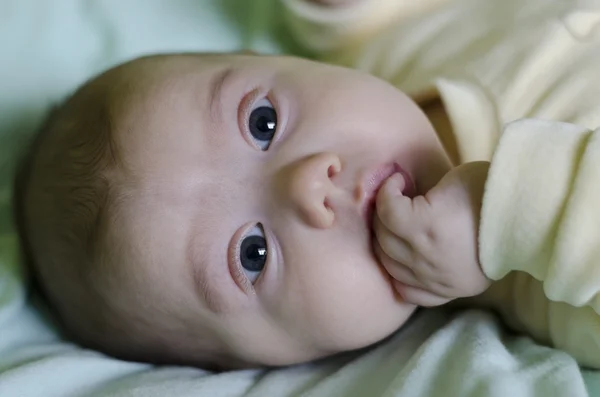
215,209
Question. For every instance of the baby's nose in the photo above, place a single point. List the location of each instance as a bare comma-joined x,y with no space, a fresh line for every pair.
310,188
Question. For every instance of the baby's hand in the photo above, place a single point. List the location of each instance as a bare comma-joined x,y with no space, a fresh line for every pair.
428,244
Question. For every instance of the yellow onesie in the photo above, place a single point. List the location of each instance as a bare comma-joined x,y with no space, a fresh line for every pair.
520,81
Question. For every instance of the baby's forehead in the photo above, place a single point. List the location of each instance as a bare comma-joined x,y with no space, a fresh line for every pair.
148,94
152,79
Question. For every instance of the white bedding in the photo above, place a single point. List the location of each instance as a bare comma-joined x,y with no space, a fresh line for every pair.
47,47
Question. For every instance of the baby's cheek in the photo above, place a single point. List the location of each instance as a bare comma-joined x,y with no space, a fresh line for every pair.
348,312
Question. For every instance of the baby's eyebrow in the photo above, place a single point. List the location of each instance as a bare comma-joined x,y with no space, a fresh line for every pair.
216,93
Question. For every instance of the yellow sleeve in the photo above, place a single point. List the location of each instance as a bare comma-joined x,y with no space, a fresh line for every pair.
335,29
541,216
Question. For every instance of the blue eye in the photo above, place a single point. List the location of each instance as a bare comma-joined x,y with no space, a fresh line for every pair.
253,253
262,123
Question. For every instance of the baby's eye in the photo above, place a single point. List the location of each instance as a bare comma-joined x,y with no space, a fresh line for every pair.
262,123
253,253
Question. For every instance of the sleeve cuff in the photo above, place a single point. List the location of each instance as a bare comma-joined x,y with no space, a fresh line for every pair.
530,178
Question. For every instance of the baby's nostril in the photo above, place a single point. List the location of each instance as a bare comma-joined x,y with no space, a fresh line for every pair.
331,171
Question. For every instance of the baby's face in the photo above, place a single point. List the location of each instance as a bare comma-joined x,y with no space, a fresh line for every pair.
245,199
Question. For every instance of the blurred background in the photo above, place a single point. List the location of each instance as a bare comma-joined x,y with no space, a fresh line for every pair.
49,47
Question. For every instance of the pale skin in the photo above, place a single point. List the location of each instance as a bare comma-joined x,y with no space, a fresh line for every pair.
199,193
197,184
243,199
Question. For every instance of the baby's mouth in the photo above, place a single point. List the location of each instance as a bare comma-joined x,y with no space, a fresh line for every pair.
373,183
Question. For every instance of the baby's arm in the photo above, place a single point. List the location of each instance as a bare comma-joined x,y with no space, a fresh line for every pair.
541,216
338,29
539,236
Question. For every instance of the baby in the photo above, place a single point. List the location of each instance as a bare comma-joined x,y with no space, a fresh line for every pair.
217,209
238,210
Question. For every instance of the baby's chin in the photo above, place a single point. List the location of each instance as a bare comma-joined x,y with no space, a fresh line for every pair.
366,335
350,339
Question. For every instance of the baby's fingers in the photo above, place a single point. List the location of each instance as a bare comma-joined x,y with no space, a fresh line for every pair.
393,208
391,245
418,296
396,269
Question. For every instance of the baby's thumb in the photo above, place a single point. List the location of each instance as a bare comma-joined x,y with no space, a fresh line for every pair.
392,206
394,185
